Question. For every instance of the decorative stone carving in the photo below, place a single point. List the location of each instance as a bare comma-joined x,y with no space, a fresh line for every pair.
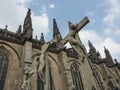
41,63
112,87
74,39
27,27
19,30
26,83
93,54
108,60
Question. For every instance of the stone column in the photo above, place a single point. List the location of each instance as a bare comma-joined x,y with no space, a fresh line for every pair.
47,75
27,57
65,71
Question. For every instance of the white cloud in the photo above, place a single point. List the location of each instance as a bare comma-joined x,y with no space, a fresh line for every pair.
89,35
89,13
108,31
99,42
14,15
113,46
113,12
86,35
40,24
44,10
22,2
51,5
67,45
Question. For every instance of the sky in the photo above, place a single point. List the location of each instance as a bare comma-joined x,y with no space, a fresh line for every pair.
102,30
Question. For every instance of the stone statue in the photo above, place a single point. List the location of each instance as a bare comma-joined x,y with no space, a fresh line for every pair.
42,58
74,39
26,83
41,62
27,27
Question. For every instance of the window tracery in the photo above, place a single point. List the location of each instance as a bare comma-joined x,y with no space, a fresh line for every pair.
77,80
3,66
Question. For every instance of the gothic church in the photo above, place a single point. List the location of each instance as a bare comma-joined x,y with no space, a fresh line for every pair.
32,64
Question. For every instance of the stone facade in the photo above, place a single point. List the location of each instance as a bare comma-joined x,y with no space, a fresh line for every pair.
65,69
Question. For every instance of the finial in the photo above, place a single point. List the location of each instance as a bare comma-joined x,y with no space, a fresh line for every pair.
19,30
105,48
90,44
56,32
42,40
27,27
6,26
36,37
29,11
89,41
115,60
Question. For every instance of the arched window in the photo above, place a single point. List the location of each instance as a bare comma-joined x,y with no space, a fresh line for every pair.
3,66
98,79
77,80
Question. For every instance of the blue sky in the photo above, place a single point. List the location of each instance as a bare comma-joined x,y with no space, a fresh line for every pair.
102,30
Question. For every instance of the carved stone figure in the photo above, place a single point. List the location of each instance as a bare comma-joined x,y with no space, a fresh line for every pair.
27,27
29,72
26,82
74,39
42,61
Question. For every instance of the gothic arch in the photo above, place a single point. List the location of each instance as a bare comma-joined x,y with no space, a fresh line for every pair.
49,56
98,77
98,69
36,55
52,58
4,62
77,76
76,61
7,46
39,82
113,77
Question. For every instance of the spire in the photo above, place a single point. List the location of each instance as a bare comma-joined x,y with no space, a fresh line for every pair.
19,30
109,60
92,48
27,27
42,40
56,32
93,54
6,26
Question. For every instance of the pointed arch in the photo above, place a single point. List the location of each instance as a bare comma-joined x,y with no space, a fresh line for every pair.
13,49
52,58
76,76
98,77
4,60
40,83
74,61
113,78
